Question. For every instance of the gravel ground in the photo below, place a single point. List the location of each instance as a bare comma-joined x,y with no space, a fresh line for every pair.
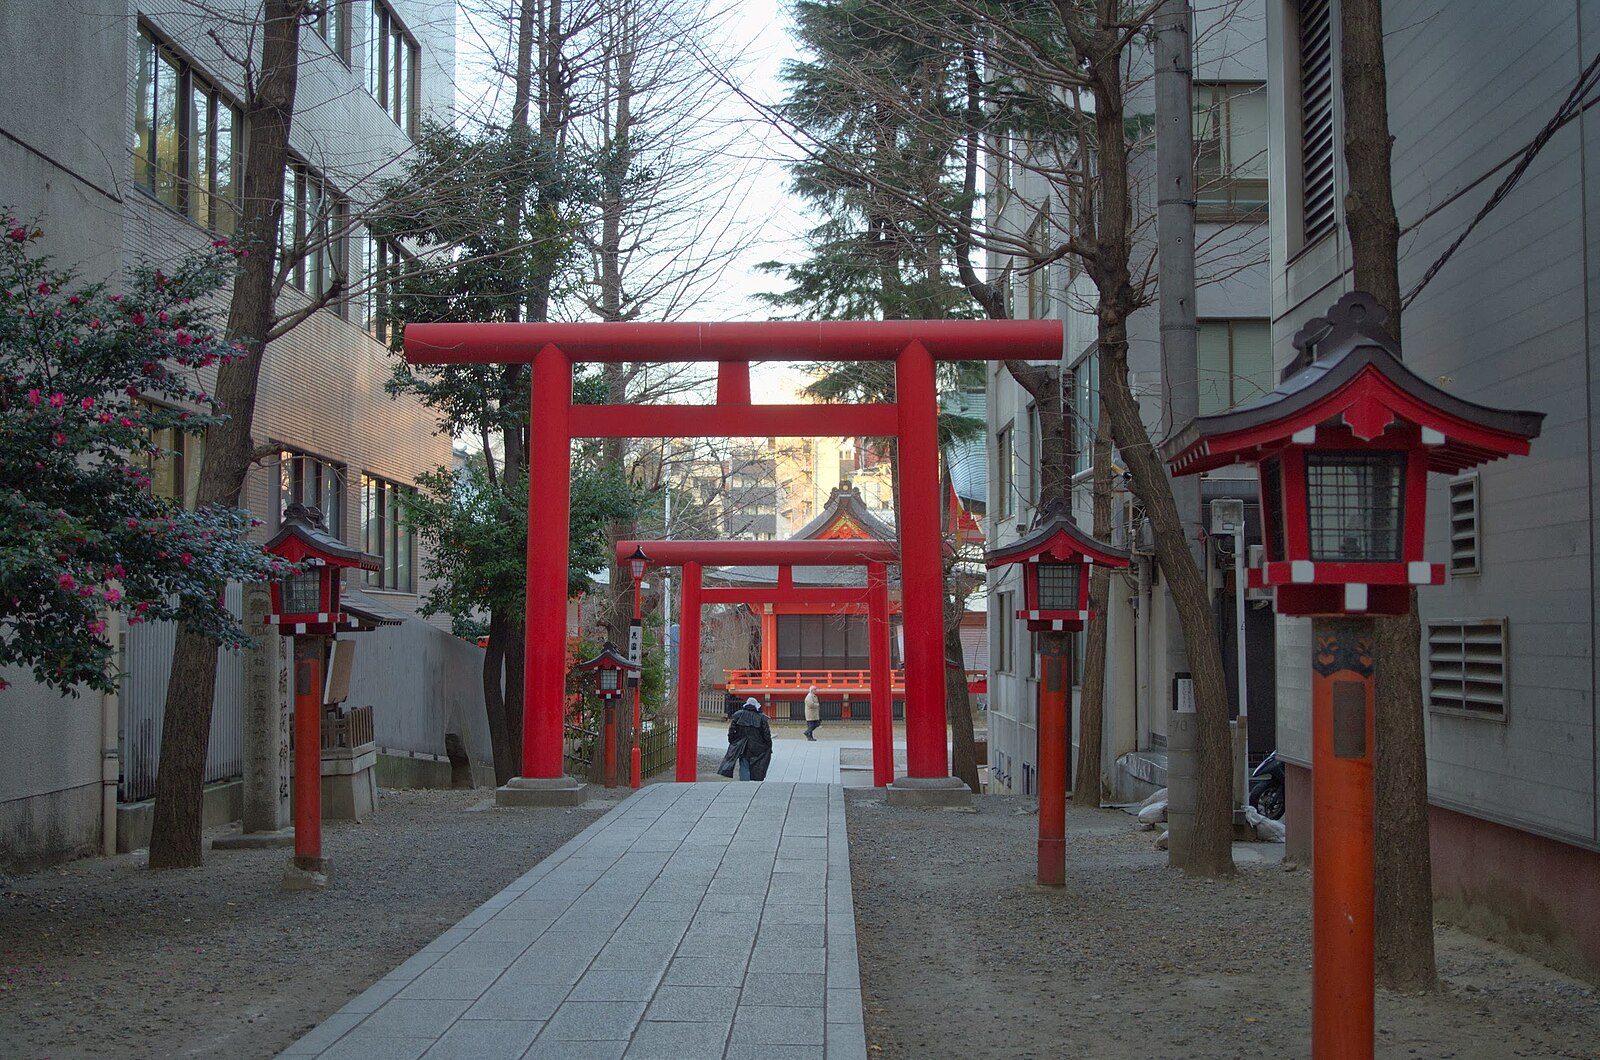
103,958
1134,960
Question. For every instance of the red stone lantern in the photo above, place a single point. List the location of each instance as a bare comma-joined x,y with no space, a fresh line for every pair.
306,607
307,602
1343,447
610,668
1056,560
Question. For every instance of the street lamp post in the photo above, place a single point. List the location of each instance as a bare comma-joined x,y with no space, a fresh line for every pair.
636,565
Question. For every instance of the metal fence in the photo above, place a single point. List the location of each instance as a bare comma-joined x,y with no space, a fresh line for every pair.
147,662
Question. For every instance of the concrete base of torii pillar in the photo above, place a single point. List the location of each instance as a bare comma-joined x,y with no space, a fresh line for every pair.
541,791
928,791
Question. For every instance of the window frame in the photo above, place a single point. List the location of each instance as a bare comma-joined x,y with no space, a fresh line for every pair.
1005,468
289,460
333,29
1233,375
196,105
396,90
397,566
314,217
1231,197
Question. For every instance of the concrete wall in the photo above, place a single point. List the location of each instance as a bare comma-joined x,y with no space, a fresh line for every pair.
65,130
1509,321
421,684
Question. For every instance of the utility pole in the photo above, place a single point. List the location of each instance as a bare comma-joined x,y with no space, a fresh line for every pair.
1174,90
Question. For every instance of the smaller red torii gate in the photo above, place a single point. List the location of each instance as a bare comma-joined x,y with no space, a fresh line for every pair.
693,556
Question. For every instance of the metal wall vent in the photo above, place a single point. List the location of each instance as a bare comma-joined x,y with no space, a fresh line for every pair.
1465,539
1467,666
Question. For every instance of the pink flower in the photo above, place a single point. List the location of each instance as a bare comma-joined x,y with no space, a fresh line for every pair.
134,620
126,422
57,400
105,417
181,337
33,396
186,559
43,288
162,316
94,325
116,568
67,582
87,403
74,300
138,319
59,438
116,298
18,235
113,595
97,627
143,607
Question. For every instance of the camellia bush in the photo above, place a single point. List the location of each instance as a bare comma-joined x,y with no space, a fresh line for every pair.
89,379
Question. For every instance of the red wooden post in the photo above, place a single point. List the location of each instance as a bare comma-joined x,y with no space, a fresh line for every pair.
689,675
769,645
610,713
921,563
880,680
1342,874
308,753
549,508
1055,681
733,382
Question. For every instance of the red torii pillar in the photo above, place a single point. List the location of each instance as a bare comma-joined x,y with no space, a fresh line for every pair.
552,349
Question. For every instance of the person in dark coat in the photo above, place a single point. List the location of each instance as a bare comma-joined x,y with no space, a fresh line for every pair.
749,743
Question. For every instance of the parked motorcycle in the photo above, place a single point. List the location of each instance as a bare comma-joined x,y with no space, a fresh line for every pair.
1266,787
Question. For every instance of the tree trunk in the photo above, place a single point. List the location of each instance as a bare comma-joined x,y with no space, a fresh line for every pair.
1405,955
1209,851
958,704
1088,781
494,701
175,833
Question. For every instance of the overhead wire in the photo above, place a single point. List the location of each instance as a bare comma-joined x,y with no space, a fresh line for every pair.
1573,105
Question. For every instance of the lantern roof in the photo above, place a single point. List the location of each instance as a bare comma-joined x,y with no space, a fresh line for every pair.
609,658
1056,534
303,536
1348,373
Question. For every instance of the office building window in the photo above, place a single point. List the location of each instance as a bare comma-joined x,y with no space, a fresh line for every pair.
312,481
1004,625
381,261
1004,472
1085,410
1235,361
392,75
311,233
187,139
1230,139
175,471
333,26
387,534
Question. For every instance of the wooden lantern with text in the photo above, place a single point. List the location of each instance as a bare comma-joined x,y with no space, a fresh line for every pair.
1343,448
307,601
1056,558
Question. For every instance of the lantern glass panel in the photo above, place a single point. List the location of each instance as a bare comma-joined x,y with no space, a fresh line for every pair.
1353,502
1058,586
302,593
608,680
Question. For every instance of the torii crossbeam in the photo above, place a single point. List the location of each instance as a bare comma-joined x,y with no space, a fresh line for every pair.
552,349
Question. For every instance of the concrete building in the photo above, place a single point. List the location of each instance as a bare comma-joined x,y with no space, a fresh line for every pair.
121,134
1146,660
1512,320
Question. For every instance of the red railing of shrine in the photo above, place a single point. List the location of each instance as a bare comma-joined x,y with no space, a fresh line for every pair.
827,680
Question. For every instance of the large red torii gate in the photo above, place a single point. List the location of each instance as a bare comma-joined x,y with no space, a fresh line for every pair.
552,349
693,556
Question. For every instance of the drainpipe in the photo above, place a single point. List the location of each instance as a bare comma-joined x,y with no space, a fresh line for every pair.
1141,657
110,756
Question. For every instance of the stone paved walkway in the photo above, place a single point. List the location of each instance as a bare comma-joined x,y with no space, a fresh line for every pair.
694,921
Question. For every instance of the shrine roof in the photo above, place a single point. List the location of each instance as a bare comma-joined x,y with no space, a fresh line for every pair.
1056,532
844,516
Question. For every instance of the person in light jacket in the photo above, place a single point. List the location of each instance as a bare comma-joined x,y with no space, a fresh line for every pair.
749,743
813,713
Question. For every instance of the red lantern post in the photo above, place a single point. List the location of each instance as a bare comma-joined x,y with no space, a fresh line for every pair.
1343,448
1055,557
306,607
636,568
611,670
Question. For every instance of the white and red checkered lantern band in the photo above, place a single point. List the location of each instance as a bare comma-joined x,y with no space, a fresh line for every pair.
1343,448
307,601
1056,558
610,669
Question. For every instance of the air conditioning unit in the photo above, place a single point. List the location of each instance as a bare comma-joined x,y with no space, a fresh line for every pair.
1253,560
